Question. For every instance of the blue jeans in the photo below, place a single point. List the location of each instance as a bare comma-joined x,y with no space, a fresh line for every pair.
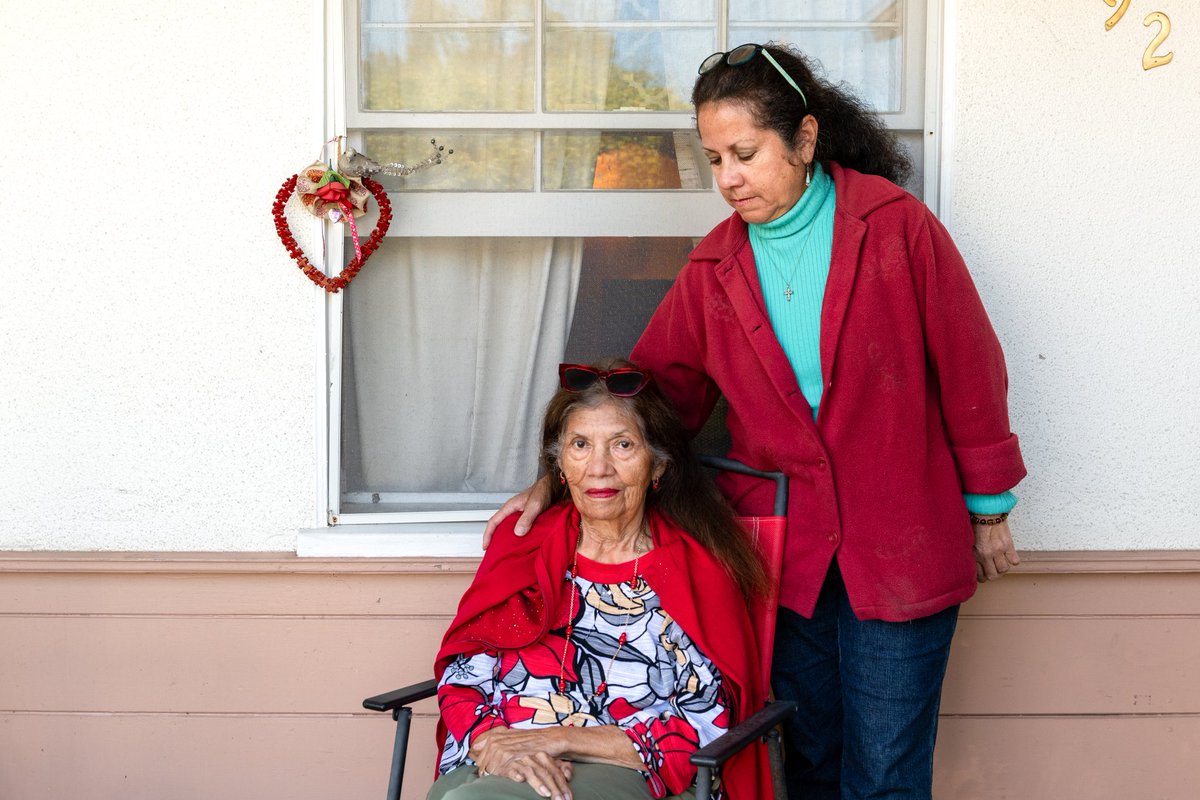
868,693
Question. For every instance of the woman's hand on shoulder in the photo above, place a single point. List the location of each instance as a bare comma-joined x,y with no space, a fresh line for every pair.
530,503
525,756
995,553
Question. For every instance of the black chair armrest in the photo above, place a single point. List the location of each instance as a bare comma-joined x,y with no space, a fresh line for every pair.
401,697
729,465
735,739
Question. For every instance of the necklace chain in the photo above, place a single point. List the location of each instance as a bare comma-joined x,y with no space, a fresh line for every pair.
787,279
633,584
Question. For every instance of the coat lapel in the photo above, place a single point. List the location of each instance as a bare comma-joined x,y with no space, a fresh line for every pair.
848,234
739,278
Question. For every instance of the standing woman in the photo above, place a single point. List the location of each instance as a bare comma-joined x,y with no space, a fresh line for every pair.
839,321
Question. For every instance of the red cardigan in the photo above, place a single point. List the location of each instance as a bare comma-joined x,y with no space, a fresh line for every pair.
521,577
913,413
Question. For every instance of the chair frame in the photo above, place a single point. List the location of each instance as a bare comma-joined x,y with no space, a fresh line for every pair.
708,760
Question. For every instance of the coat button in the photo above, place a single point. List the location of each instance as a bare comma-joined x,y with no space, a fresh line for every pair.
833,537
820,463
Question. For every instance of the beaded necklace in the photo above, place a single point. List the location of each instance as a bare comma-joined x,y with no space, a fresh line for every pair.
633,584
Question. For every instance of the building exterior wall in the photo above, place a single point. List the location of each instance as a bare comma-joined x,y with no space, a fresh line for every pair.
1074,201
161,380
159,675
158,381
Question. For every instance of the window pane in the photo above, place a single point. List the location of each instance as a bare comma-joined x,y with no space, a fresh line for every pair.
622,69
451,344
483,161
400,11
815,10
447,69
623,160
452,347
869,59
630,10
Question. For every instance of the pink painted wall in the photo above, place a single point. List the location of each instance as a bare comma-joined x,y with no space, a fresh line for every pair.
179,676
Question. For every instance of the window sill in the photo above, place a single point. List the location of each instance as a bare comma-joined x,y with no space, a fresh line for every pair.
393,540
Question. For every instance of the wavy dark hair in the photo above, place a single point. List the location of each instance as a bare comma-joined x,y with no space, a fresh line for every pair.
685,493
848,131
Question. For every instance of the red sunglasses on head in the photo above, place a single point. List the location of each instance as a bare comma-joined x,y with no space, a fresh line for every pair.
622,381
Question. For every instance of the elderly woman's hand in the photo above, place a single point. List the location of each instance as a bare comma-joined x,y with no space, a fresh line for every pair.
995,553
531,502
525,757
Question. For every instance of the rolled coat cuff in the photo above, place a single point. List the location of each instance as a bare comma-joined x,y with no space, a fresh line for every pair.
990,468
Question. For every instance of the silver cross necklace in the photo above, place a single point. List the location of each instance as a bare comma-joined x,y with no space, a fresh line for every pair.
787,279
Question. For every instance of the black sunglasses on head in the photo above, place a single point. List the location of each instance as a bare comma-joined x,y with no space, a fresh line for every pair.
622,381
742,54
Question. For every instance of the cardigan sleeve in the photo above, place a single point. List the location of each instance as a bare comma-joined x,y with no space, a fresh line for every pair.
965,355
671,348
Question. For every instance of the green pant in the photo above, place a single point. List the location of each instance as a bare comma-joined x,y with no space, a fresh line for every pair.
590,782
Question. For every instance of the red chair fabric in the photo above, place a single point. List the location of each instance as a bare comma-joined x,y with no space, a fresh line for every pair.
767,536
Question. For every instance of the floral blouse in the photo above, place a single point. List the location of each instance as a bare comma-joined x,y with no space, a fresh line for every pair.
660,689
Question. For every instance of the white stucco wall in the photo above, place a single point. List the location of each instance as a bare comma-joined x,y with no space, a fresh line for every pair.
158,346
158,384
1076,201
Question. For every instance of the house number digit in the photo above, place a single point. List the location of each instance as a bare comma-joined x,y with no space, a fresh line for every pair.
1149,60
1116,17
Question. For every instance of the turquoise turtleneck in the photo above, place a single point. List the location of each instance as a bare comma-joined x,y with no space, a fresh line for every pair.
792,255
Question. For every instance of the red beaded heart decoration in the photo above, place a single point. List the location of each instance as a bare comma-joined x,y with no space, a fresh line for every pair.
362,253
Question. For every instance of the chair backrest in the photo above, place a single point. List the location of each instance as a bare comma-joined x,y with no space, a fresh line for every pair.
767,535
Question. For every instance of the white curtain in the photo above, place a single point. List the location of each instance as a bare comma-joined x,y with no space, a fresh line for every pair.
452,348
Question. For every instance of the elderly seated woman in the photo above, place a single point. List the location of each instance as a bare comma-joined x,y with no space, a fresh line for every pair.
593,656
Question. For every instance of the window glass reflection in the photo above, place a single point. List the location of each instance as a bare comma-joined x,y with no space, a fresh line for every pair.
622,69
483,161
451,69
818,10
869,60
630,10
623,160
400,11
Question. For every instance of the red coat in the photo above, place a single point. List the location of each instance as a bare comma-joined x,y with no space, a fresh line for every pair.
520,580
913,413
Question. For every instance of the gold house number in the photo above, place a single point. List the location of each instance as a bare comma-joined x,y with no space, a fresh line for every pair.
1149,59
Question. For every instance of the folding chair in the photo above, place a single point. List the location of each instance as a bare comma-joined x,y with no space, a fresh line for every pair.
767,534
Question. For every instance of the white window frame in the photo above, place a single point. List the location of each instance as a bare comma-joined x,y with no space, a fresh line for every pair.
648,213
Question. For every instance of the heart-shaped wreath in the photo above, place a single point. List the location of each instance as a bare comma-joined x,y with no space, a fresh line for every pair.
361,254
341,195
